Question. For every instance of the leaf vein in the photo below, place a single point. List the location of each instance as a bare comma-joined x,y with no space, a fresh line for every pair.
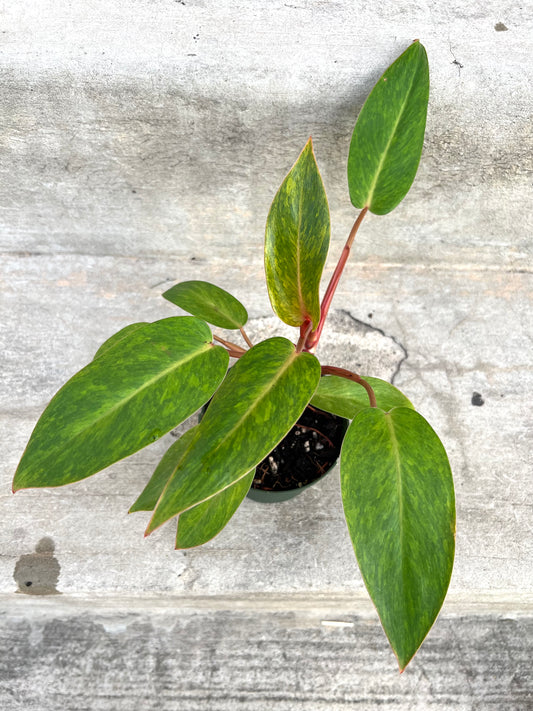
389,142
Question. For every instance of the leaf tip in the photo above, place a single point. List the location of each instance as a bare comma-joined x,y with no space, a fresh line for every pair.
16,486
308,149
403,662
153,525
150,528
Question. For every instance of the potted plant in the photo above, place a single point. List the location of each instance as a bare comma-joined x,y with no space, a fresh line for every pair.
396,482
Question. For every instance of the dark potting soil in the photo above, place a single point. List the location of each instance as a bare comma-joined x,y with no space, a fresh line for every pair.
305,454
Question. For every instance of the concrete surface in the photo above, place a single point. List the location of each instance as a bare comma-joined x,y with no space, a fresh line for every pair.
235,659
141,146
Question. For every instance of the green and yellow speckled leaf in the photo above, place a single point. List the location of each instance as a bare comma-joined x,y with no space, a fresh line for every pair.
203,522
259,401
297,242
117,337
210,302
398,497
389,134
346,398
152,491
123,400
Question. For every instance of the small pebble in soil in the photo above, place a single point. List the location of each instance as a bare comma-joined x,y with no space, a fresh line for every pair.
298,461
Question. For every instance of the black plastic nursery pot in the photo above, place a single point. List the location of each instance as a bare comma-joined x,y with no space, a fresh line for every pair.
303,457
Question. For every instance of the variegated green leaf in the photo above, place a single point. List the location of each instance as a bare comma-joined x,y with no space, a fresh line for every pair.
261,398
126,398
152,491
204,521
117,337
346,398
389,134
210,302
297,241
398,497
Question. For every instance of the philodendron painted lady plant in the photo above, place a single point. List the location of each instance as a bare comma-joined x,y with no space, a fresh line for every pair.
396,482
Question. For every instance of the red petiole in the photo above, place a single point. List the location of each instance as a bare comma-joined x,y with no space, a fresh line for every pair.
343,373
314,336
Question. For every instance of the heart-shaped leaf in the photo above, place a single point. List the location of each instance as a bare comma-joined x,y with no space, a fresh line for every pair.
346,398
259,401
210,302
117,337
297,241
398,497
126,398
389,134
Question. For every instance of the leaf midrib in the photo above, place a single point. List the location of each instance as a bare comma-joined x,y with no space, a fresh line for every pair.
298,255
253,405
79,434
223,314
292,357
389,142
399,488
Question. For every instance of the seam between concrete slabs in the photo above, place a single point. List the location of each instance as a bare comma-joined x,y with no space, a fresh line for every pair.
458,604
367,265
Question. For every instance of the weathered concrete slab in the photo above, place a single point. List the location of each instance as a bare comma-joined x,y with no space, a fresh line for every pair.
142,145
167,128
107,659
444,335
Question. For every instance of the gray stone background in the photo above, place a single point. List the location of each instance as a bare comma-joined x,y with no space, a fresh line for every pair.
141,145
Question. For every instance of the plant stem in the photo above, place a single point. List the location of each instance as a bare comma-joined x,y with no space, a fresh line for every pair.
230,346
305,330
343,373
248,341
314,337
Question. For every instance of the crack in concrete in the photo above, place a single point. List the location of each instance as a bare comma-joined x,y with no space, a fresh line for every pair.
371,327
163,281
